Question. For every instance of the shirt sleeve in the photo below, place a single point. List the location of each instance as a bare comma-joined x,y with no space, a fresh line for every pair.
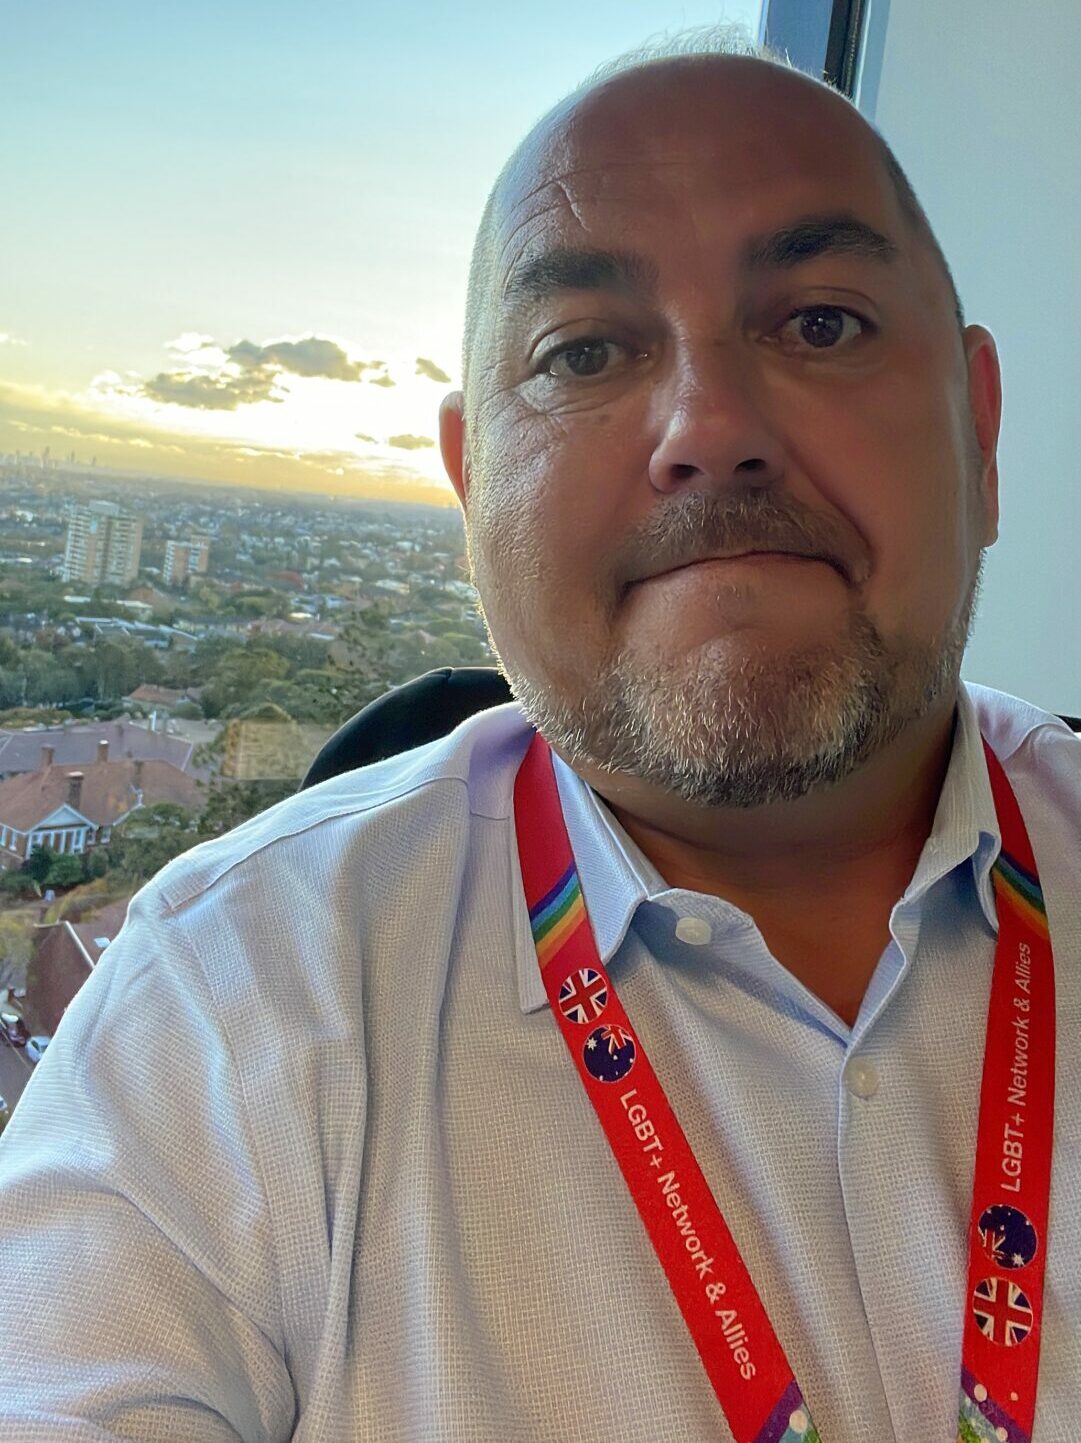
139,1296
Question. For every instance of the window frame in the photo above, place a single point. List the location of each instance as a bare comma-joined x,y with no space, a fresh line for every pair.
843,41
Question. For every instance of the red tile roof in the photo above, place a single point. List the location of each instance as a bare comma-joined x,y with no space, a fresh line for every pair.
102,927
108,792
155,695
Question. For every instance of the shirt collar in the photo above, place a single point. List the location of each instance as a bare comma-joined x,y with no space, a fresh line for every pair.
616,875
965,830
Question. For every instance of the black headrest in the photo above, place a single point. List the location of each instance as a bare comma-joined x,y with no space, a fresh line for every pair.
410,715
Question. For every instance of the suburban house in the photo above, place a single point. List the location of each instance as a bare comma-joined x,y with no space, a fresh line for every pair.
82,744
162,698
70,809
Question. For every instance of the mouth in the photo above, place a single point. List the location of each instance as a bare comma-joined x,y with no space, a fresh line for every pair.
743,559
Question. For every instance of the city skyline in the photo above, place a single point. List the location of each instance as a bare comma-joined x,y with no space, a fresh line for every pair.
241,236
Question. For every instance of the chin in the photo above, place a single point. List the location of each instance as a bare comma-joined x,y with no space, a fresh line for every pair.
723,726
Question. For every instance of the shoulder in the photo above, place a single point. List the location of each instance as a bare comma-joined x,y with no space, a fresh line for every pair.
1039,753
296,911
1017,729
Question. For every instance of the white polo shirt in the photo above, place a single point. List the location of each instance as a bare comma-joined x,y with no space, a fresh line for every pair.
307,1158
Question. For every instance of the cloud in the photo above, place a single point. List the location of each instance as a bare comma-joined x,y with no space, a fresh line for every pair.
223,392
361,437
7,339
313,356
410,443
431,370
216,378
382,381
189,342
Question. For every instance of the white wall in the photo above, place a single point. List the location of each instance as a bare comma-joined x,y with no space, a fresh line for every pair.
979,100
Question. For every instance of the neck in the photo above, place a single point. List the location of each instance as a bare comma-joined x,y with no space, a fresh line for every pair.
819,875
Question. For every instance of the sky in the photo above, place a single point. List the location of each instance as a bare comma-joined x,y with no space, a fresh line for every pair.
236,235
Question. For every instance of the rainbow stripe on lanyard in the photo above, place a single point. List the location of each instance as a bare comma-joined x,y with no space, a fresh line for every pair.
740,1351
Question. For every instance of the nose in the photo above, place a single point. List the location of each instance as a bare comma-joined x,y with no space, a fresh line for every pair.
712,430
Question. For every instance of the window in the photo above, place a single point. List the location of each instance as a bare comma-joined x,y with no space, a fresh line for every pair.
821,37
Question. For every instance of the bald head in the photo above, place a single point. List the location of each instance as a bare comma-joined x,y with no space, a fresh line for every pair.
653,111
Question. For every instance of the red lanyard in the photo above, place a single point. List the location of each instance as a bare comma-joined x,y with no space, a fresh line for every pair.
753,1380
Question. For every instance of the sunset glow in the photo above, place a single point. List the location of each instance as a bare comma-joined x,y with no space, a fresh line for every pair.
240,237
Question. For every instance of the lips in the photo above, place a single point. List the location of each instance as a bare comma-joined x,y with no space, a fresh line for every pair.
753,557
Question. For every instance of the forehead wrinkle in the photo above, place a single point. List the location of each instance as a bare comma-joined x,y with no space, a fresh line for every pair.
506,205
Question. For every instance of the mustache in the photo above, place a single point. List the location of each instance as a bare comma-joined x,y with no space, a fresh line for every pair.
699,526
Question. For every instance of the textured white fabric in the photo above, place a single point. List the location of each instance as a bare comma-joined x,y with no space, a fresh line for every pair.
307,1158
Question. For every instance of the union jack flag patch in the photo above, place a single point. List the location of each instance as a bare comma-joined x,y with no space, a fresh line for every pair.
584,996
1003,1313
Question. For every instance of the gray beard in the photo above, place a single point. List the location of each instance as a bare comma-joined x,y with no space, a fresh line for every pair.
763,729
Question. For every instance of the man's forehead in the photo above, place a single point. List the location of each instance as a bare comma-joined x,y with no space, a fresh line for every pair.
657,141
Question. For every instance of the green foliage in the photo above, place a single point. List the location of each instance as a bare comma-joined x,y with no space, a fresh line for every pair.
16,946
148,838
46,868
39,864
240,677
95,863
18,885
67,870
24,716
230,803
258,603
104,670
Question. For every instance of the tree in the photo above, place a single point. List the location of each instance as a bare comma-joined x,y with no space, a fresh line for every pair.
147,839
17,885
95,863
111,669
66,871
16,946
230,803
240,676
39,864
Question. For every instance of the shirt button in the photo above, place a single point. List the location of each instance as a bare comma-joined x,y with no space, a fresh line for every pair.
694,931
861,1078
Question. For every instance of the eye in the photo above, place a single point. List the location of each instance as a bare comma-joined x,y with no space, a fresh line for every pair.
823,328
582,359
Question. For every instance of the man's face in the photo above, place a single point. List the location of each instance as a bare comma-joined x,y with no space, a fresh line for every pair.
768,373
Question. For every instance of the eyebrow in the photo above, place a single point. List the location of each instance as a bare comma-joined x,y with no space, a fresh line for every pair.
567,269
815,235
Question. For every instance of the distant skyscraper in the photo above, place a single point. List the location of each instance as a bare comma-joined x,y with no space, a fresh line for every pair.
186,558
103,545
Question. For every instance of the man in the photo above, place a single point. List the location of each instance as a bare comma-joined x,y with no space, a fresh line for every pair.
310,1158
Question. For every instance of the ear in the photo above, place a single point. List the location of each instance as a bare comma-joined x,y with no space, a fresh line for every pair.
452,445
985,402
